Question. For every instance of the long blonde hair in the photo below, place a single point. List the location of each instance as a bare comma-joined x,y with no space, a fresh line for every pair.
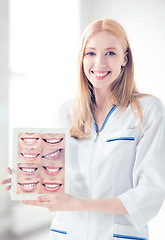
123,90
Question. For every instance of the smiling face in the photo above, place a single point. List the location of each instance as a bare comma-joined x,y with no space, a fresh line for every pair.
29,140
52,185
56,140
29,155
103,59
28,170
28,185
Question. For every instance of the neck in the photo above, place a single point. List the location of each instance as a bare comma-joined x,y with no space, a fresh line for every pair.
101,97
103,106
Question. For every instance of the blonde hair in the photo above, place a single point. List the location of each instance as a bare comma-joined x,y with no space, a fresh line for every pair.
123,90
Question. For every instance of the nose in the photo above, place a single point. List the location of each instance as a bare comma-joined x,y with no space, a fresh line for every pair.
100,60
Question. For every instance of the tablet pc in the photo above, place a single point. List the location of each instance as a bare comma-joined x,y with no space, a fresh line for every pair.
40,162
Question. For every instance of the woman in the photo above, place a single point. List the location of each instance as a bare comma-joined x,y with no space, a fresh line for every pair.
117,146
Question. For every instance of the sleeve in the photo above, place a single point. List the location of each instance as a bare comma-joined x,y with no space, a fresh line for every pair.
145,199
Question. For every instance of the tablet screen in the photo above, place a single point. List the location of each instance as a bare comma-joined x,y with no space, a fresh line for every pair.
40,162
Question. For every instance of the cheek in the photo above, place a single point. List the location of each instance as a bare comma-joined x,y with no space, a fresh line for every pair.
116,66
86,68
87,64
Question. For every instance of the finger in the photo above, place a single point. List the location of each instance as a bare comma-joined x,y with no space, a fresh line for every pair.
8,188
9,170
31,202
44,198
36,203
5,181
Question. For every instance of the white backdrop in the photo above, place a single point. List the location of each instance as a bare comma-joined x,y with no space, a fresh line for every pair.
43,68
43,58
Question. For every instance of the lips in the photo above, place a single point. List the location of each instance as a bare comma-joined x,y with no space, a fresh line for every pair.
28,170
52,170
28,187
30,156
29,141
51,187
101,74
52,141
53,155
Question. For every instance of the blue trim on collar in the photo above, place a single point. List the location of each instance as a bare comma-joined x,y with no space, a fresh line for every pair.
108,116
106,120
95,126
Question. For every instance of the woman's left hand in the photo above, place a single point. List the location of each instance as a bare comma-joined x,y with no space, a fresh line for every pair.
56,202
66,202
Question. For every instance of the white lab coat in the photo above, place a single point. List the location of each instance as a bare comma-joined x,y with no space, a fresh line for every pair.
127,162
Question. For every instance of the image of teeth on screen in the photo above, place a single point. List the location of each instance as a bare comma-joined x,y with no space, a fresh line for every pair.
40,162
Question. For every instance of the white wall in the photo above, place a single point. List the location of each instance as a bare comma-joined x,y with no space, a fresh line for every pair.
4,111
43,57
144,22
43,69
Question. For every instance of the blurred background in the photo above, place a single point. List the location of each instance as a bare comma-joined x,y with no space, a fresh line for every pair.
39,41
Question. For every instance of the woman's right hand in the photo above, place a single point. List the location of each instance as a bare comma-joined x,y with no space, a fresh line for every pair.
7,181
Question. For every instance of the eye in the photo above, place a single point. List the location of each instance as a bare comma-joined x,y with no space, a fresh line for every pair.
110,53
90,53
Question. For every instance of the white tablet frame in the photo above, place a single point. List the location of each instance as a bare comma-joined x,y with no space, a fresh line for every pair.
30,196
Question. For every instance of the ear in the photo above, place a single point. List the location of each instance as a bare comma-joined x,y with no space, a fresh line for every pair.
125,60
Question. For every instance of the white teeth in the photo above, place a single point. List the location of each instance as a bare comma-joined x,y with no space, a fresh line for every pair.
53,141
53,154
51,185
29,140
28,169
29,156
100,74
29,185
52,170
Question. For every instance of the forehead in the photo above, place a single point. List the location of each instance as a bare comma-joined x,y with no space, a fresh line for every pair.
103,39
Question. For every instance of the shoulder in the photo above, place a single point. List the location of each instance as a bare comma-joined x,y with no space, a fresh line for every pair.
64,114
152,108
150,102
66,108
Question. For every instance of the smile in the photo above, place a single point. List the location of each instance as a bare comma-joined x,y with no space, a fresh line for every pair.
101,74
30,141
28,171
52,187
52,141
28,187
30,157
53,155
51,170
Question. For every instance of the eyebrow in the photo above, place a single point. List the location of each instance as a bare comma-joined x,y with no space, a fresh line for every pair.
109,48
90,48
